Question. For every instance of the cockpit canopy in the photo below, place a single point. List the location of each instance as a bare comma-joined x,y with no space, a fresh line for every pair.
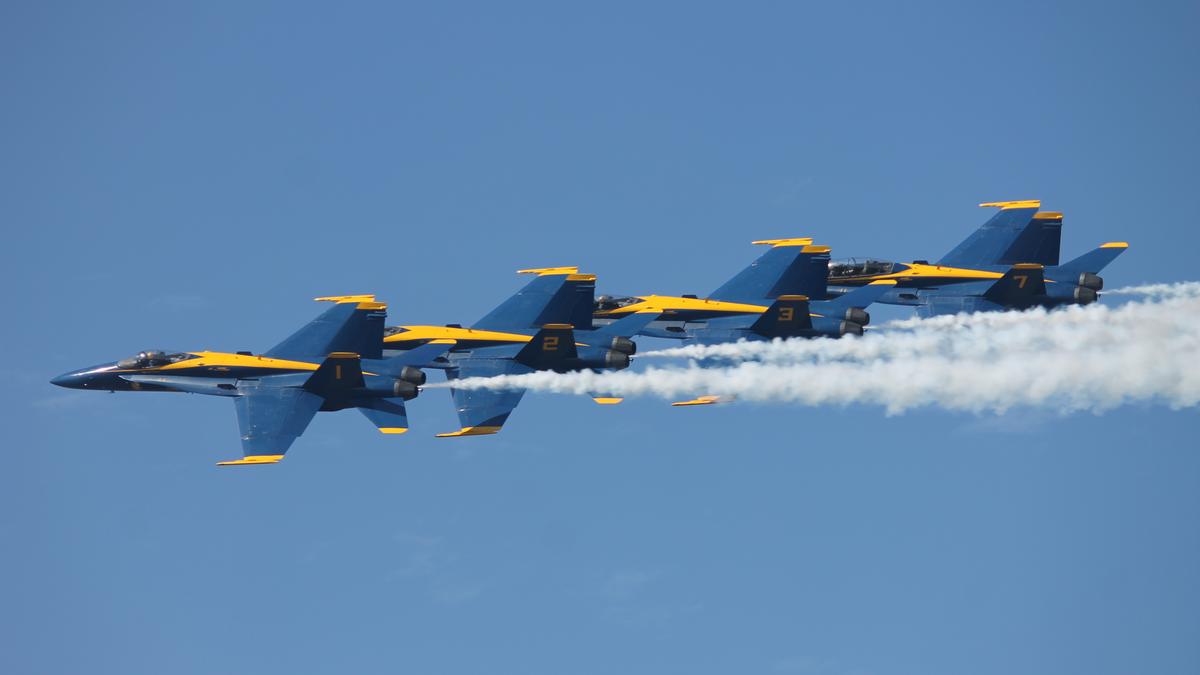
861,267
152,358
607,303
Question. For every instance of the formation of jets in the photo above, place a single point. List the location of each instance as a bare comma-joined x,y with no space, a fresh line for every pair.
348,358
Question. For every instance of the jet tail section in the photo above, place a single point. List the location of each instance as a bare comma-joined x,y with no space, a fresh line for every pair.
1042,241
549,347
790,267
338,373
786,317
1007,238
353,324
1019,286
551,297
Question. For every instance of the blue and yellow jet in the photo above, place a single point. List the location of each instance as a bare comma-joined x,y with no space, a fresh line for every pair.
1011,262
544,326
778,296
334,362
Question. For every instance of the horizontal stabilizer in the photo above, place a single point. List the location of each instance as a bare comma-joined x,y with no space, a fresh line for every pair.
387,414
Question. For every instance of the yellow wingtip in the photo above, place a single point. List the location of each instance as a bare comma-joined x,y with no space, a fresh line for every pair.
252,459
365,302
1017,204
1115,244
470,431
699,400
607,400
794,241
393,430
542,271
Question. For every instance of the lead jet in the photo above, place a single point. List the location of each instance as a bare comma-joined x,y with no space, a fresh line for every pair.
544,326
778,296
332,363
1011,262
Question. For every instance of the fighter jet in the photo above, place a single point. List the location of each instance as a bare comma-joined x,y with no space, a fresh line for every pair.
1011,262
544,326
332,363
778,296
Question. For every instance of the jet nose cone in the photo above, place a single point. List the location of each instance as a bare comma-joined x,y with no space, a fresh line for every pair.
68,380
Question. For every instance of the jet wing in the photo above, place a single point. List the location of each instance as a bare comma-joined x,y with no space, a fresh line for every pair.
1018,287
484,411
271,419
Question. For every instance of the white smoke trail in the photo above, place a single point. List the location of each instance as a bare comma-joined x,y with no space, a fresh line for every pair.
1176,290
1081,358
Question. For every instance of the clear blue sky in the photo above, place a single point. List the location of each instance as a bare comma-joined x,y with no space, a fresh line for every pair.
189,175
